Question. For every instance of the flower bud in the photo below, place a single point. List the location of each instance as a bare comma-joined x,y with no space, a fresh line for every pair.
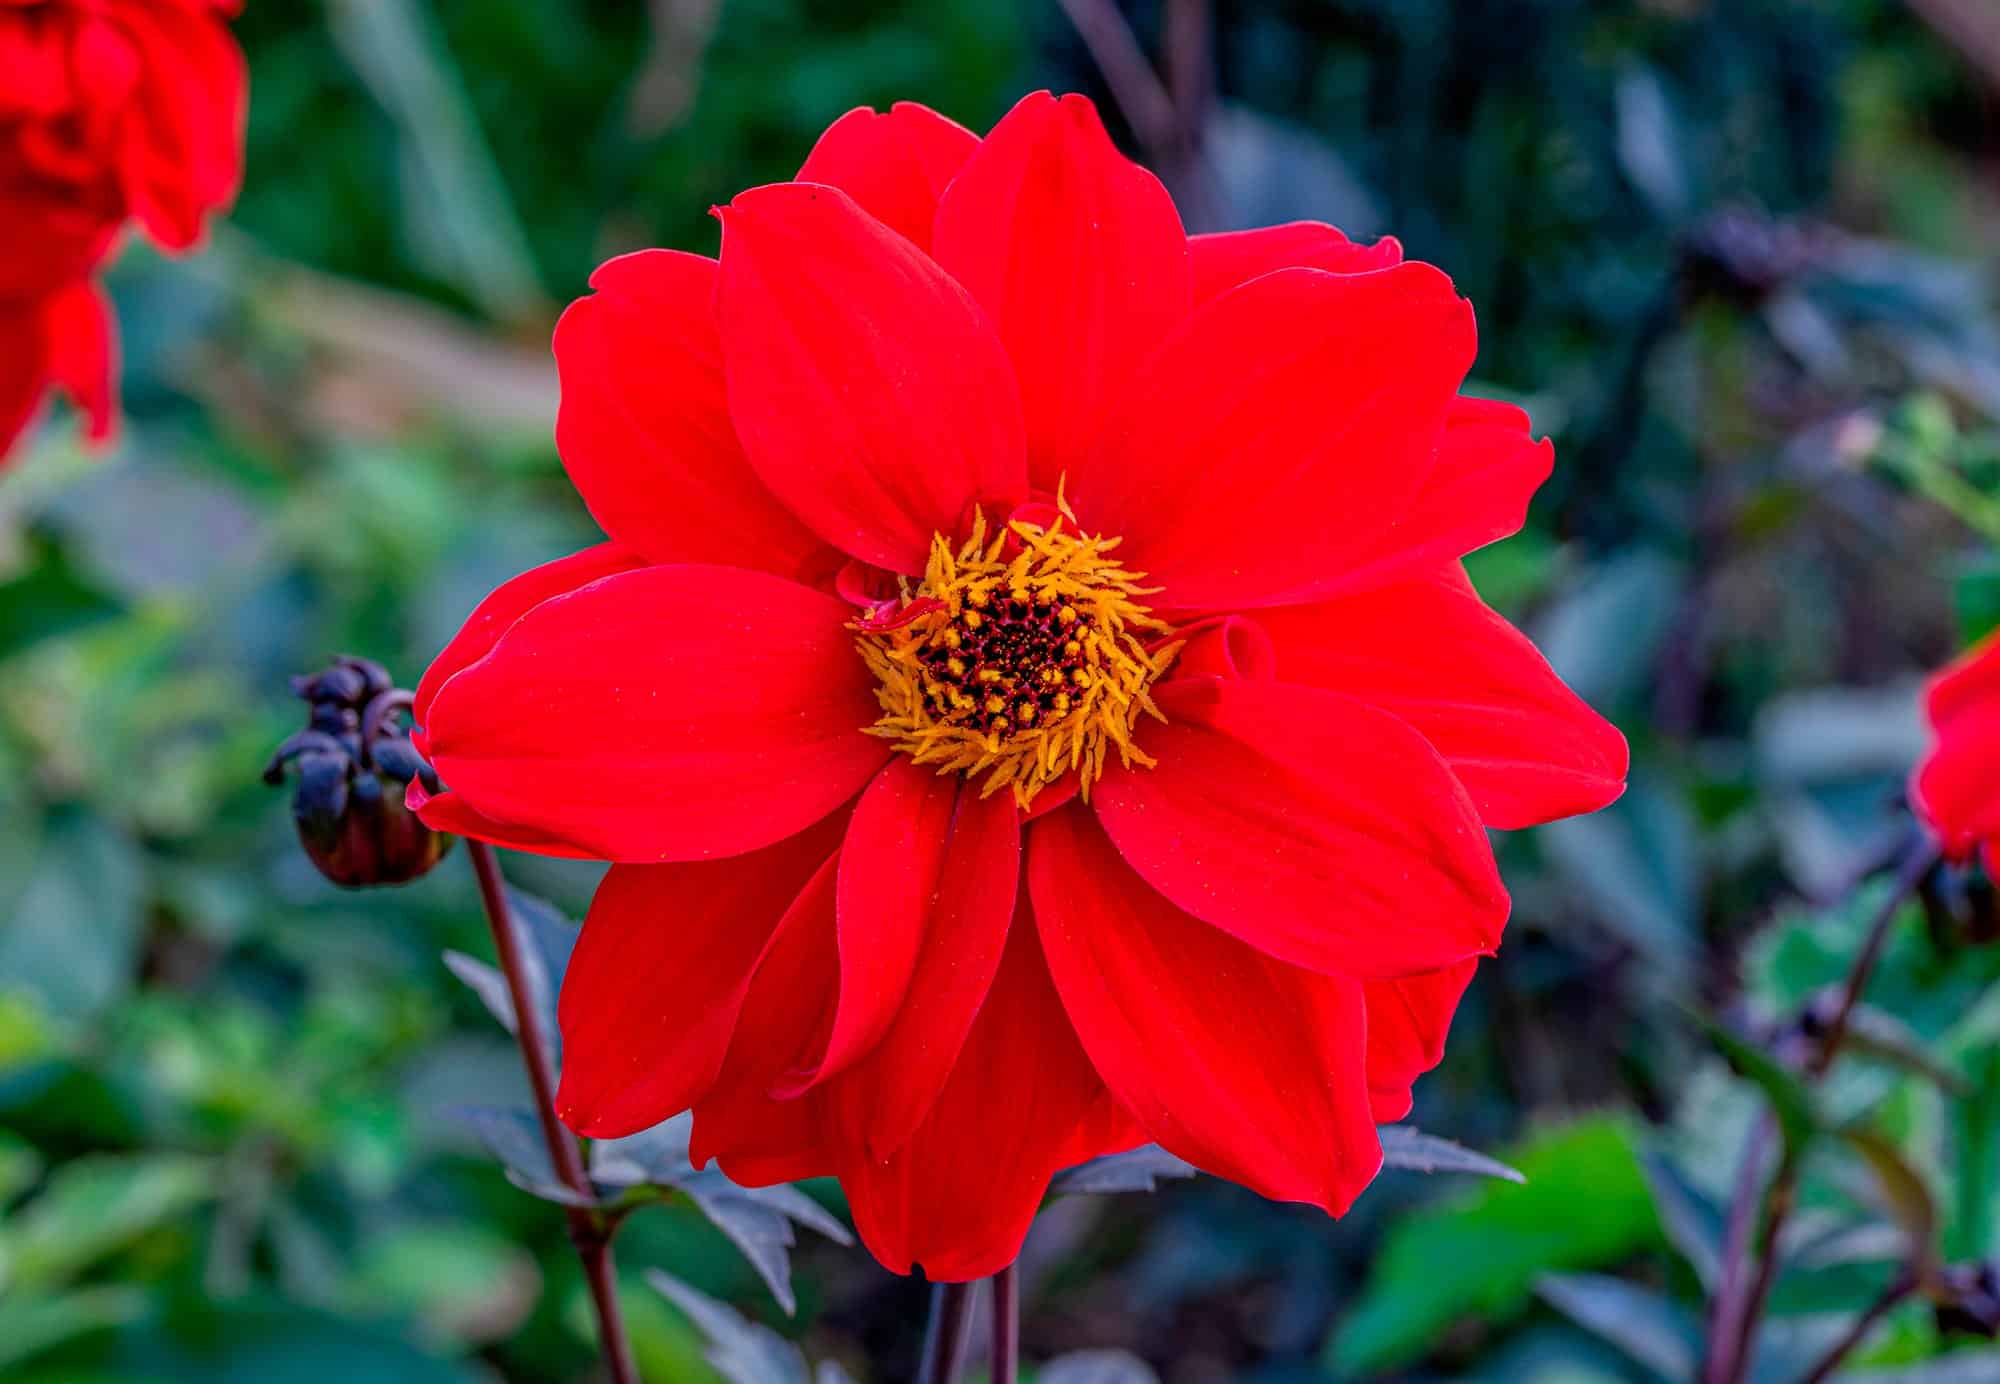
354,762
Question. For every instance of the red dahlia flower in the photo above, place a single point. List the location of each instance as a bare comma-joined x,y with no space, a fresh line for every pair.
109,109
1957,787
1030,698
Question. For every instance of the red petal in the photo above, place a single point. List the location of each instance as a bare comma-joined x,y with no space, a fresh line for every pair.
1407,1023
660,973
1431,652
83,355
23,373
1315,828
1078,255
956,896
1227,258
868,389
671,713
1274,442
62,341
1488,469
1021,1104
1248,1068
446,811
644,427
1954,788
786,1019
896,165
183,154
508,602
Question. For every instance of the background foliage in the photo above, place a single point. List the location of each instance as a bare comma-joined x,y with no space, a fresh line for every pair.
1733,256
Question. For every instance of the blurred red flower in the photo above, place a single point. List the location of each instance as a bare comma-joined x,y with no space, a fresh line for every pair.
109,110
1956,788
1030,698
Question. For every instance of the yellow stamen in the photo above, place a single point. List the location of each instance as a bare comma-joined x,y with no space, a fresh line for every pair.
1053,639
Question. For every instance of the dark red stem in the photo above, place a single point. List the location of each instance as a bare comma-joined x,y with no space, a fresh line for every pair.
1741,1298
1006,1326
944,1339
588,1230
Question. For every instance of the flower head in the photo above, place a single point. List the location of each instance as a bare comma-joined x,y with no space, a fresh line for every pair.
1030,696
1955,789
109,110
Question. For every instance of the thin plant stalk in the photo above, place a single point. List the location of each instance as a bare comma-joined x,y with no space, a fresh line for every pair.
1904,1284
1747,1281
1006,1326
588,1231
945,1337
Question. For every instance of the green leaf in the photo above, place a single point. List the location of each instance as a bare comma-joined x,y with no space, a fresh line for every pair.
1136,1170
32,1322
47,597
71,936
1480,1254
94,1206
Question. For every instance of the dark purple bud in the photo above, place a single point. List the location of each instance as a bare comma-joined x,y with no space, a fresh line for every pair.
354,761
1966,1299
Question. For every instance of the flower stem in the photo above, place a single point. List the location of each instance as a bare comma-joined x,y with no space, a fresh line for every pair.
1742,1296
1006,1326
588,1231
944,1339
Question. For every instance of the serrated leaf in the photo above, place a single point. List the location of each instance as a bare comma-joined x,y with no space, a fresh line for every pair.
1097,1367
1660,1334
486,982
544,940
1136,1170
742,1351
658,1154
514,1136
1415,1151
754,1225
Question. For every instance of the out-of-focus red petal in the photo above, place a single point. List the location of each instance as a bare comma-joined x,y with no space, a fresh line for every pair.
669,713
644,427
1431,652
1246,1067
65,341
895,163
660,973
1488,468
1272,443
1224,259
507,603
958,1198
1407,1023
1317,829
23,373
83,355
1079,257
958,895
867,387
183,152
1955,787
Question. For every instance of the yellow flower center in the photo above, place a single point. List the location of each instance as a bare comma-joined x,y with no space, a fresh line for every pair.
1022,656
